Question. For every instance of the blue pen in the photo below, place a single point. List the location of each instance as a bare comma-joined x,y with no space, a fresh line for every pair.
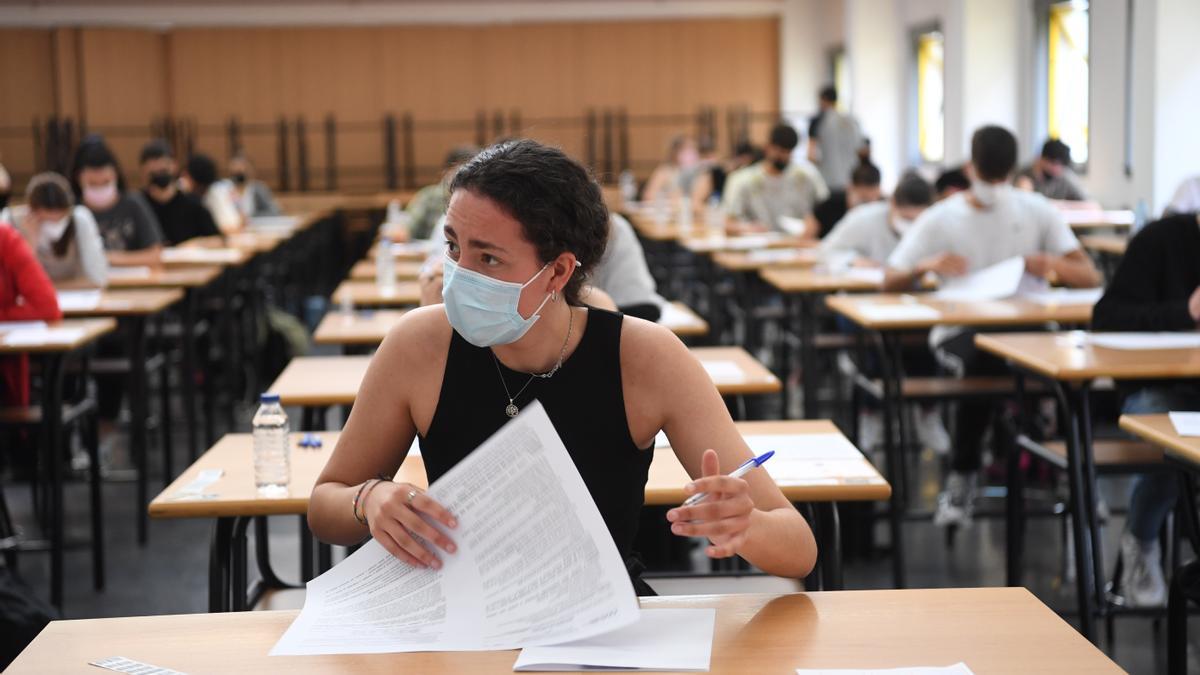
737,473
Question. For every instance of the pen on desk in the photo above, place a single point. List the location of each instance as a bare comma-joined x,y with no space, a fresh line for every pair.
742,470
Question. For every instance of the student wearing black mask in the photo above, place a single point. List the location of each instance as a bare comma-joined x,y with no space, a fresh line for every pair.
251,197
181,215
760,196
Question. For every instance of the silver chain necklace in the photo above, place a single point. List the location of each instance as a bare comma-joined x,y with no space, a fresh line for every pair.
511,409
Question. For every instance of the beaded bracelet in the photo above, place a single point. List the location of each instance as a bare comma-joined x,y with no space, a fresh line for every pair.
360,497
362,519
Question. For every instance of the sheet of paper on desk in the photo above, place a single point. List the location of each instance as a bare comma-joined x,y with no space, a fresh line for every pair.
908,311
1065,296
769,255
677,640
121,664
990,283
10,326
811,446
1139,341
128,272
749,242
794,226
42,336
78,300
724,371
273,223
200,255
870,275
1186,423
673,317
535,564
956,669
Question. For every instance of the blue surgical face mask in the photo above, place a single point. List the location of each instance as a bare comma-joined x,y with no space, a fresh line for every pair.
484,310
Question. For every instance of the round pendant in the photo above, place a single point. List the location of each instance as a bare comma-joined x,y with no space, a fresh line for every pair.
511,410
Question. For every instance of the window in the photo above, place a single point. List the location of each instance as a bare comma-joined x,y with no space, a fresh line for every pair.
1067,51
931,112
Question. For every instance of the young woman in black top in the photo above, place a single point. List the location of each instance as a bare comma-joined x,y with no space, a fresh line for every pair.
526,214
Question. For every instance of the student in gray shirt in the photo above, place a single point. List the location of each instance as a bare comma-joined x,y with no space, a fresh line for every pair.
127,224
872,231
1051,176
834,141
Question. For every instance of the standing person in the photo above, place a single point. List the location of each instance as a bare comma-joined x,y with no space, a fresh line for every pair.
525,227
964,233
127,224
760,195
252,197
834,141
1156,287
63,235
181,215
1051,175
26,294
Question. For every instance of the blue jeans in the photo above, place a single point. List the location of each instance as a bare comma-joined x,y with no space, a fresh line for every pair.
1153,494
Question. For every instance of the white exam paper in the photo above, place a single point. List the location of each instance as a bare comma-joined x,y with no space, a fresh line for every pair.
870,275
121,664
1139,341
128,272
990,283
1065,296
674,317
200,255
956,669
273,223
9,326
901,312
78,300
678,640
792,225
770,255
724,371
1186,423
535,564
812,459
42,336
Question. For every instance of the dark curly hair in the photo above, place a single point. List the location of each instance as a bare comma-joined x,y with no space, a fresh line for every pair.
555,199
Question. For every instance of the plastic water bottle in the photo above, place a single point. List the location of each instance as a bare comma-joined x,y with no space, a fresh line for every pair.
628,186
685,214
385,267
714,217
272,450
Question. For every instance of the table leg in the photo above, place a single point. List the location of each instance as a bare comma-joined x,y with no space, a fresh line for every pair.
164,397
784,369
139,408
894,451
1014,497
52,395
1092,493
1185,586
809,379
218,566
306,551
188,371
1080,510
238,572
830,546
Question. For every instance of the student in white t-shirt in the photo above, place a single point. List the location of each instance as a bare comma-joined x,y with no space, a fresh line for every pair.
969,231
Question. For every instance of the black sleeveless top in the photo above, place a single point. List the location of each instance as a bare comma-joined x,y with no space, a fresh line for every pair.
584,401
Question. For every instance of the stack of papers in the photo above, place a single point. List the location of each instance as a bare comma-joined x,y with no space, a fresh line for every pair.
1146,341
1186,423
78,301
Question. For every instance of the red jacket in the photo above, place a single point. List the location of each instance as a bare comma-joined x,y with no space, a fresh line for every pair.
26,294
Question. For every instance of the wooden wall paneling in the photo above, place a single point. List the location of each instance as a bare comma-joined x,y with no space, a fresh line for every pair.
27,91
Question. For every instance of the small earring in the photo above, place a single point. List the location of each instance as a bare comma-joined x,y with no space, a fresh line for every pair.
553,296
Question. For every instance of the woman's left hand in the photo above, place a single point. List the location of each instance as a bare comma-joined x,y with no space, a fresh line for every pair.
723,516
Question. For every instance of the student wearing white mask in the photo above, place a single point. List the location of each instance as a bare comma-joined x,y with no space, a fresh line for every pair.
525,227
967,232
63,236
127,224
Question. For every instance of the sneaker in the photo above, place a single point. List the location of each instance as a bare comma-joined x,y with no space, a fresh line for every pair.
956,504
1142,580
931,432
870,430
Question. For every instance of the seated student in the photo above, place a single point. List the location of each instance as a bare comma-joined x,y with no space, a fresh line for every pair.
130,231
429,204
1050,174
623,274
199,179
673,179
180,215
864,188
1186,198
525,227
951,181
869,233
63,236
965,233
26,294
710,184
252,198
1156,287
758,196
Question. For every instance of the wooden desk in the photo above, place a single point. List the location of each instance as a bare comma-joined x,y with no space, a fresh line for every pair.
409,251
983,314
1158,430
754,261
191,256
357,329
992,630
1071,364
174,277
406,270
1109,244
129,302
1087,219
368,294
233,498
708,243
322,381
682,321
52,355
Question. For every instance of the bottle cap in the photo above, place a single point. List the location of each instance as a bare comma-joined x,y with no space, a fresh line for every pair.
269,398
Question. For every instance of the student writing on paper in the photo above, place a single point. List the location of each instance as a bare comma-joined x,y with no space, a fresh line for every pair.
1156,287
26,294
130,231
63,235
865,187
181,215
1051,175
967,232
758,196
525,227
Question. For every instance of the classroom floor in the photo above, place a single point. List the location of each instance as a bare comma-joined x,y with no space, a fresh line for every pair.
169,575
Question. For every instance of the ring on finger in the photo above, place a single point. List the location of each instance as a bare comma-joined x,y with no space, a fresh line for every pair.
412,494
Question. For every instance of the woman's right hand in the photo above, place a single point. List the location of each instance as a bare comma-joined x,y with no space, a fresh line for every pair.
398,511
